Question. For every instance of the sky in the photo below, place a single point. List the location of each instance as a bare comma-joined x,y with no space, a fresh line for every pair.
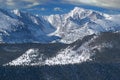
59,6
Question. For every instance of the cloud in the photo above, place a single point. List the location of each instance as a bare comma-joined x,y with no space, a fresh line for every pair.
100,3
57,9
31,3
21,3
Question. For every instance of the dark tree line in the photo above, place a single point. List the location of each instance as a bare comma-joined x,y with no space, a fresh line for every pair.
85,71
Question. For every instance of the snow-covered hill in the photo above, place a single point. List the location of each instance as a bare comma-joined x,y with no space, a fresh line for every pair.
94,48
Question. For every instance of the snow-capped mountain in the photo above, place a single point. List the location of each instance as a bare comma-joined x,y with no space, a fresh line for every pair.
80,29
19,27
81,22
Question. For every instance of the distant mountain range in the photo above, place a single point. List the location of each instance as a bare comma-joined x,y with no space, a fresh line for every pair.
20,27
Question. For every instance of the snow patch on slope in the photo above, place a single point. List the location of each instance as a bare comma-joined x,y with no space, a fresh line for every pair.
69,56
26,58
74,54
63,57
16,12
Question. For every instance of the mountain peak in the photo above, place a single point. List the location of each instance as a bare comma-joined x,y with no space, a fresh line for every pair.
78,9
16,12
66,27
80,12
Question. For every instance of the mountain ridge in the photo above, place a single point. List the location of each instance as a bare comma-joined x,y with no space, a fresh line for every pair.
80,22
66,28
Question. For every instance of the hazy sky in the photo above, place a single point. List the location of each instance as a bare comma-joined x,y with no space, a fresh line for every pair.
100,3
46,7
31,3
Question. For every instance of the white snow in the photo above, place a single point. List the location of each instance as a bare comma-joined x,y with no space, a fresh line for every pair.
69,27
63,57
16,12
81,22
68,56
26,58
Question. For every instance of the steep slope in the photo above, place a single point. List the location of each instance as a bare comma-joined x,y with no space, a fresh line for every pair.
81,22
19,27
100,48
